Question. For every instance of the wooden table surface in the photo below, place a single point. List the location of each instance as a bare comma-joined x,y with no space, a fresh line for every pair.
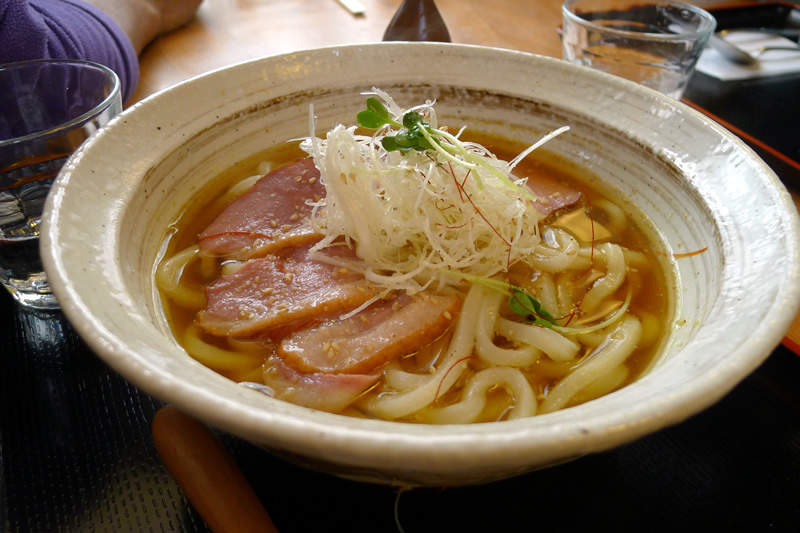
229,31
225,32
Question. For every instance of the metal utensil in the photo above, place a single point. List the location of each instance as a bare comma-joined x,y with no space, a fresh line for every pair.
737,55
789,33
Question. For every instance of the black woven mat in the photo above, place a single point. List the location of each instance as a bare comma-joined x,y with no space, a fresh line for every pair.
77,455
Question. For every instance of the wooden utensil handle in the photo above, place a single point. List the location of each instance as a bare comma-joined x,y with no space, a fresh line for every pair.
208,475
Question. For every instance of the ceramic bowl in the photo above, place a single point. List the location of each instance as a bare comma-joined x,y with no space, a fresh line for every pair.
694,185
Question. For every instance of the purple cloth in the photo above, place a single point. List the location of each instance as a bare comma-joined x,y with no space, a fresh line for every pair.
71,29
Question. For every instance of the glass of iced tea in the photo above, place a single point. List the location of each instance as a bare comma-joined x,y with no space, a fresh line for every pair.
48,108
653,42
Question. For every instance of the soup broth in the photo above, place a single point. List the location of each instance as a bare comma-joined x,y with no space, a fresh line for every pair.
597,219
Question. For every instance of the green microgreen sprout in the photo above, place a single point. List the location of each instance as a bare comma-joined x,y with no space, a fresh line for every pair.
529,307
376,116
415,134
520,302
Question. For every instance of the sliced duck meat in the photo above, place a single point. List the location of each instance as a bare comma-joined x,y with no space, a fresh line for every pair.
552,193
362,343
273,214
326,392
277,290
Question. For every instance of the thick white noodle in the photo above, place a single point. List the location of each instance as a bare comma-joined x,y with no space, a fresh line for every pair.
583,261
558,347
608,284
392,405
398,379
591,339
168,273
395,377
544,288
218,358
619,345
556,259
605,384
520,357
473,398
616,220
168,278
636,259
238,189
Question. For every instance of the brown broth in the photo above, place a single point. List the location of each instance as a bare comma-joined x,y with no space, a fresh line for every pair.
651,302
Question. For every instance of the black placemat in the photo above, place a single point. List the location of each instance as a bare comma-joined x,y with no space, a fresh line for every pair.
77,456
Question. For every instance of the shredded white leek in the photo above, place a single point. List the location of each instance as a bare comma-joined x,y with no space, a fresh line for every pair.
417,216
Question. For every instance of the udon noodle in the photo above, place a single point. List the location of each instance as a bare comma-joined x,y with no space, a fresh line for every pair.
551,309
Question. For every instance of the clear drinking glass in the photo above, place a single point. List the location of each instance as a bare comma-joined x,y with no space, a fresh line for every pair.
47,109
653,42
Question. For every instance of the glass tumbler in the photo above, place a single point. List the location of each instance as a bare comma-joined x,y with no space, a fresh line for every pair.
47,110
653,42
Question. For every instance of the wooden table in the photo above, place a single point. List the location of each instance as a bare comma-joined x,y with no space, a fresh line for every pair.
230,31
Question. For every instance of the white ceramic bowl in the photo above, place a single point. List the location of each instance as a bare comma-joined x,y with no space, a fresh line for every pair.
698,185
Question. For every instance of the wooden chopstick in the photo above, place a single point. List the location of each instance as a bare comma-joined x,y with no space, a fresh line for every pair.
207,474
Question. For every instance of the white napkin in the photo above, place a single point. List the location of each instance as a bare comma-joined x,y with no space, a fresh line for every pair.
770,63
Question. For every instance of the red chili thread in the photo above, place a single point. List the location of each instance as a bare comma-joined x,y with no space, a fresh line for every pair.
439,388
690,254
459,186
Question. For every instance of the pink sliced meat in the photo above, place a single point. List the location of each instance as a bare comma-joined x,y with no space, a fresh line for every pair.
273,291
273,214
326,392
367,340
553,194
